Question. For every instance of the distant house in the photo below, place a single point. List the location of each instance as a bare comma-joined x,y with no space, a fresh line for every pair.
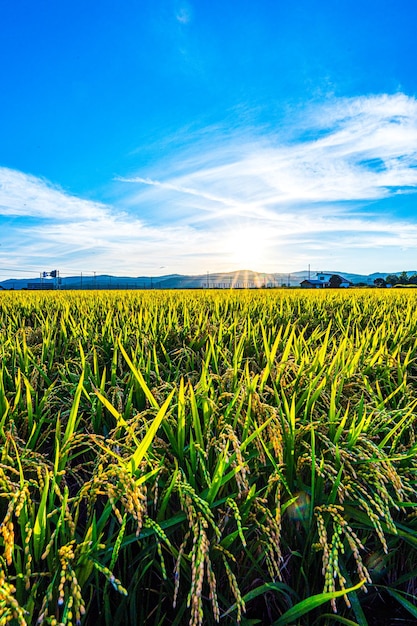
324,281
311,283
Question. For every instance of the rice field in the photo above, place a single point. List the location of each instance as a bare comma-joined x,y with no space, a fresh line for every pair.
174,458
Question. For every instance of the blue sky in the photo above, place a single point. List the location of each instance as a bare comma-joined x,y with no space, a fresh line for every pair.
151,137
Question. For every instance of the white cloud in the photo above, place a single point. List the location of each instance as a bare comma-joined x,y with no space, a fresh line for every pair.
25,195
42,225
183,13
362,150
367,152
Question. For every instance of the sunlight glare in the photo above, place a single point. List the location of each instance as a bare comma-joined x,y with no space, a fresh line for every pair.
246,248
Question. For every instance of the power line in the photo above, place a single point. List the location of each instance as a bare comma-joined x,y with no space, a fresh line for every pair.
66,272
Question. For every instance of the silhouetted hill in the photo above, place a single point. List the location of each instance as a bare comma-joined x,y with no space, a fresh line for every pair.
222,280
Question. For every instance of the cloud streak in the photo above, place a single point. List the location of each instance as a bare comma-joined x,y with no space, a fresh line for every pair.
329,179
366,149
25,195
45,225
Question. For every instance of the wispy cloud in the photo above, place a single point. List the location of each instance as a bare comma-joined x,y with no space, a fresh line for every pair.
183,13
42,225
363,149
25,195
327,181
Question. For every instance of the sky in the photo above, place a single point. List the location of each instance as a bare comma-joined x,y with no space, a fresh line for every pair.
153,137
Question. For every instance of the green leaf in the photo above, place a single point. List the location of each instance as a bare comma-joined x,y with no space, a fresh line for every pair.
139,377
258,591
332,618
147,440
309,604
411,608
73,413
39,528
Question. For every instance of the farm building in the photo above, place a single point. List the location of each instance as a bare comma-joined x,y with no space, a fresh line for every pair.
324,281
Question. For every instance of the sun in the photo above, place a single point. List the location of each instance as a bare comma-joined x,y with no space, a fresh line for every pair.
246,248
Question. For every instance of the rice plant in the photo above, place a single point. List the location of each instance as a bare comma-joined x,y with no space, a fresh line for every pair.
208,457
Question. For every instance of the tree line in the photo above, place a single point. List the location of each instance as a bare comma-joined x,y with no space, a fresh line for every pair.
392,280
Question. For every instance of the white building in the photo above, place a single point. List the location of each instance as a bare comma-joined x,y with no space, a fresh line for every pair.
322,281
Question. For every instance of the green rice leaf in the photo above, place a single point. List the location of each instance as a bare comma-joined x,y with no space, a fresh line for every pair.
309,604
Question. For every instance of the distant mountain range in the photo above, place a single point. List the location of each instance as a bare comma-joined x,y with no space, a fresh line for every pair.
239,280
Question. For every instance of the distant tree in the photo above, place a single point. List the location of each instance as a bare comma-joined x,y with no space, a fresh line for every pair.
403,278
391,279
335,281
380,282
412,280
